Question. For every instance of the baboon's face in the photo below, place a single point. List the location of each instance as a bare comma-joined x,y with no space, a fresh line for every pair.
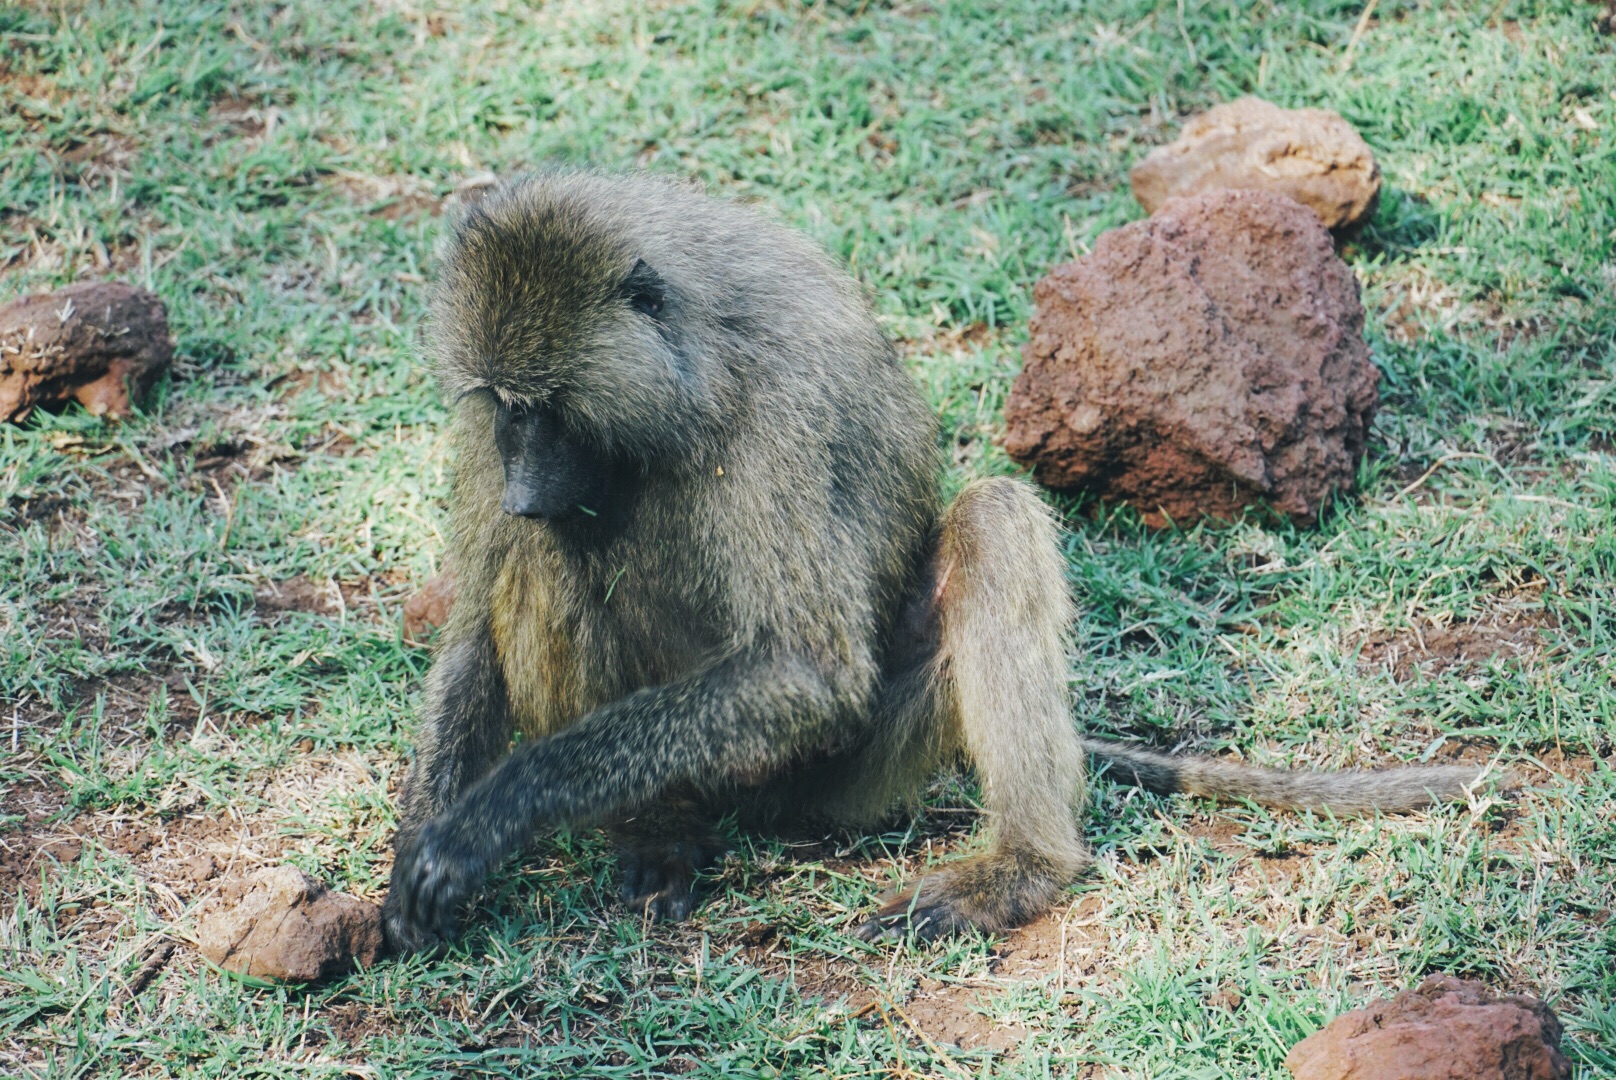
580,341
550,475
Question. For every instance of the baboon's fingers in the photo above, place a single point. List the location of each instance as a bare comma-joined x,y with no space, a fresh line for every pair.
402,938
433,878
662,882
927,911
890,921
927,922
991,892
674,905
636,885
665,892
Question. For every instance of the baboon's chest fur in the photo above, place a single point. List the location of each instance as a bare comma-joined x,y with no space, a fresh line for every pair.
547,686
564,652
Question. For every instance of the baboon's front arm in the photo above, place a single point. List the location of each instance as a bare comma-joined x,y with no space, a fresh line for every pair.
739,717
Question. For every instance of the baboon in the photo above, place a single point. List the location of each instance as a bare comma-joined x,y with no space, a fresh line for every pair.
704,567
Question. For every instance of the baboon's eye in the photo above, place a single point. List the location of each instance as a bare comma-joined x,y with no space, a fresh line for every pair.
643,289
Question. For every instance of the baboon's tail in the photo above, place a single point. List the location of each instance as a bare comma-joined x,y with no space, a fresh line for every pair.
1348,791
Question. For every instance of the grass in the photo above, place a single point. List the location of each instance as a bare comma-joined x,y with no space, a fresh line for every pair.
168,717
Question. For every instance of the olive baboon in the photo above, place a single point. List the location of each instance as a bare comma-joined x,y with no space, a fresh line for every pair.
703,567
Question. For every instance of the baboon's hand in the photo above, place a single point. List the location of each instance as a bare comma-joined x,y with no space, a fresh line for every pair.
403,939
433,876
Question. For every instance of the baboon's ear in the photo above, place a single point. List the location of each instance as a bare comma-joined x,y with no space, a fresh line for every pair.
644,289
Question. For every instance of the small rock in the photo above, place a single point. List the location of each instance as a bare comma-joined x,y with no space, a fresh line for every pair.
1205,360
101,344
429,608
198,868
281,924
1311,155
1446,1029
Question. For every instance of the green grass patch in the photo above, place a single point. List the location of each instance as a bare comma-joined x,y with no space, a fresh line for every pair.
167,717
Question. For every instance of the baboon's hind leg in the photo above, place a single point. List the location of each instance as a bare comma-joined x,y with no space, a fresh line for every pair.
1004,613
659,853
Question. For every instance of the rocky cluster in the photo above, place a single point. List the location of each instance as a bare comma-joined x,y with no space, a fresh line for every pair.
1211,358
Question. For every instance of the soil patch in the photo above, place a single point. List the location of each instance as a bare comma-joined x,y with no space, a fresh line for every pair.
100,154
182,853
1554,763
294,383
1431,651
815,976
390,197
245,116
25,843
1054,944
1059,946
300,593
410,206
955,1013
126,701
305,594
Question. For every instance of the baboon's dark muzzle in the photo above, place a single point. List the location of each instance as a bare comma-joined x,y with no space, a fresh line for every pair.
549,474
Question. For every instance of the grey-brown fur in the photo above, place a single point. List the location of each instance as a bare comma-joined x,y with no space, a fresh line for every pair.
1347,791
704,567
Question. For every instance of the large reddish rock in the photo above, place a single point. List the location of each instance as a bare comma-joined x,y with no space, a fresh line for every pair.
1310,155
1445,1029
100,343
1199,362
282,924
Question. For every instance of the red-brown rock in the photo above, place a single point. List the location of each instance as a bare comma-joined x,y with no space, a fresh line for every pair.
429,608
1199,362
282,924
101,344
1311,155
1446,1029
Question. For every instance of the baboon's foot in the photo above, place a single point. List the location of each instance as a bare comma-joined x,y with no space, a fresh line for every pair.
660,881
991,892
